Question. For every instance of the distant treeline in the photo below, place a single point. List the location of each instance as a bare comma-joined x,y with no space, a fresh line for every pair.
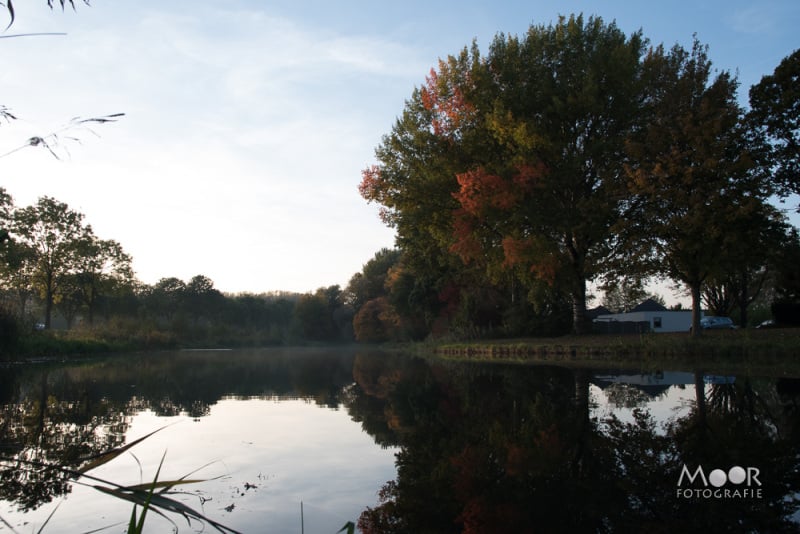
95,298
59,281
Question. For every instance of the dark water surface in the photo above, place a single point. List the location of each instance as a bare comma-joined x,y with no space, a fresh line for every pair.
401,443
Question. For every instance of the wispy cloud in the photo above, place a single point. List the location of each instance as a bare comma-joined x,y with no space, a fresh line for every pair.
759,19
241,140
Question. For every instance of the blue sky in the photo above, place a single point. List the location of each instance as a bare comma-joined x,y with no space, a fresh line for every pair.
248,122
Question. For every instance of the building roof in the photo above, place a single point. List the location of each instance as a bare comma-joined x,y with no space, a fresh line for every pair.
649,305
593,313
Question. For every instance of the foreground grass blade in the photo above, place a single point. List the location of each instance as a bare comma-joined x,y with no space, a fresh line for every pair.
159,504
49,517
144,495
7,525
104,458
132,522
146,506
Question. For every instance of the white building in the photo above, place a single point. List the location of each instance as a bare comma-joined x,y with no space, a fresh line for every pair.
651,312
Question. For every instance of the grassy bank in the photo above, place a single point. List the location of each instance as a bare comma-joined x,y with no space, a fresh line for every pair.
776,351
65,343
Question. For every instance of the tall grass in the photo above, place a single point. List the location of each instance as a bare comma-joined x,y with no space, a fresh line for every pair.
155,496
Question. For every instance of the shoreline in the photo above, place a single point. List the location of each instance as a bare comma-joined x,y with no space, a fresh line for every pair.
776,352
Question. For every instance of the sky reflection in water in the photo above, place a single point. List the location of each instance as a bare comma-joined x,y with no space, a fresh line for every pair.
265,457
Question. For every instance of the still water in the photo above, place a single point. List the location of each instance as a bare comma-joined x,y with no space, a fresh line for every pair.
284,440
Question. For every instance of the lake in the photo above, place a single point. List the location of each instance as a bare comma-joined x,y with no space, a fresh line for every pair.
290,440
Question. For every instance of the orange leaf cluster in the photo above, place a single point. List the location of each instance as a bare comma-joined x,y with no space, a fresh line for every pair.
480,190
370,185
483,196
373,189
447,102
466,245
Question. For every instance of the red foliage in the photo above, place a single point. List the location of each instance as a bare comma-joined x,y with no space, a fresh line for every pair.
376,321
445,99
469,470
480,190
373,189
370,185
475,480
491,198
466,244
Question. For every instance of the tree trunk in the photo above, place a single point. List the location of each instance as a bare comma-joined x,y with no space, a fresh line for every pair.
583,421
48,308
700,400
744,299
580,324
696,309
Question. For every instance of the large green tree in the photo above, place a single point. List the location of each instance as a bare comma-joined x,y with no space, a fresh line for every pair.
166,298
52,231
758,236
693,183
516,159
775,107
101,268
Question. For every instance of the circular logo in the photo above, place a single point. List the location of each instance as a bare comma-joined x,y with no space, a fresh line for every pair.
737,474
717,477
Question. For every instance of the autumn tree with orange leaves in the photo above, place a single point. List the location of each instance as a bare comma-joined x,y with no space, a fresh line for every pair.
514,161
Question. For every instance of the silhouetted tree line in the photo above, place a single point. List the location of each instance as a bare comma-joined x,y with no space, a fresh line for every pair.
56,274
51,256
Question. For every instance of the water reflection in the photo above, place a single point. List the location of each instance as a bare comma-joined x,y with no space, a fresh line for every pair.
479,448
522,449
270,423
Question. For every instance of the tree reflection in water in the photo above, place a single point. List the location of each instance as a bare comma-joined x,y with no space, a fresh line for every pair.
517,449
482,448
60,415
42,429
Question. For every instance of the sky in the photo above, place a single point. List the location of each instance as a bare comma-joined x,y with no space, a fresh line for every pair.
247,123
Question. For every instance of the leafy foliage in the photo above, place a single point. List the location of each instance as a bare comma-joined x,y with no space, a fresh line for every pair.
695,191
512,161
576,153
775,107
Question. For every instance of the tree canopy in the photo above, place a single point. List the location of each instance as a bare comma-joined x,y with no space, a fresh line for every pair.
694,187
571,154
775,107
515,159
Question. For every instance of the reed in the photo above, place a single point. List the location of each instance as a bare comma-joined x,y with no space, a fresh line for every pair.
156,496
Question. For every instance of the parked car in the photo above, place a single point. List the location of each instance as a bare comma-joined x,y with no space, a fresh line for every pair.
716,323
